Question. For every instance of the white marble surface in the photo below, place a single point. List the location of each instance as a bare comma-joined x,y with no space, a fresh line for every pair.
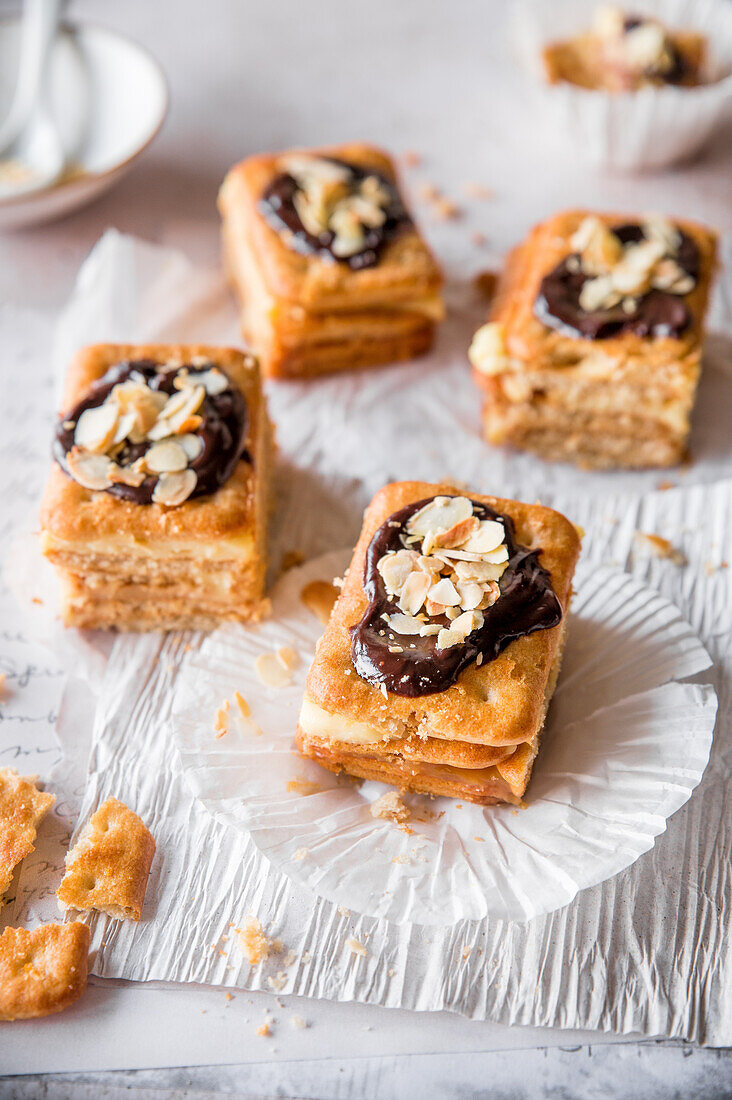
417,75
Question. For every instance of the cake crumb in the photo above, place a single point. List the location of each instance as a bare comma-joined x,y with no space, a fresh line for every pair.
263,1030
301,854
343,912
478,239
480,838
466,952
229,998
660,547
253,942
391,972
474,190
319,597
485,282
662,486
305,958
221,725
411,159
278,982
445,209
402,859
390,806
3,683
427,192
356,948
303,786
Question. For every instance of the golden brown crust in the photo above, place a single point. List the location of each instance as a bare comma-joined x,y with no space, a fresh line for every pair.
108,867
537,346
500,703
22,806
43,971
406,268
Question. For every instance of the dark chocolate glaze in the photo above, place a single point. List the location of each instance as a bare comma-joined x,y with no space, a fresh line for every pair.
222,431
527,603
278,209
658,312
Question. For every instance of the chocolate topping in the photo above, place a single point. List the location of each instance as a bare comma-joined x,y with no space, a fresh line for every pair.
278,208
222,431
658,313
527,602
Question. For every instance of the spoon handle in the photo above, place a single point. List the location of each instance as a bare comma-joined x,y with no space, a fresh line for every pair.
38,32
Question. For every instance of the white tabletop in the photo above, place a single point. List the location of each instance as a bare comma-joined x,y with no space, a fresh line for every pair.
438,79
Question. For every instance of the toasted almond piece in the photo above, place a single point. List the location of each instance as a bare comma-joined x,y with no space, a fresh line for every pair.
488,537
125,424
684,285
434,609
289,657
480,571
166,457
602,252
599,293
133,474
191,444
471,594
497,556
488,351
319,597
214,381
395,568
431,566
662,230
173,489
466,623
448,638
304,787
271,671
313,216
244,709
588,228
96,427
458,533
356,947
344,245
414,592
644,45
300,165
89,470
439,515
189,425
630,280
445,592
429,629
492,592
404,624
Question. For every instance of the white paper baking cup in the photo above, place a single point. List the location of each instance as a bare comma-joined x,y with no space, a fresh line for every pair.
625,744
634,131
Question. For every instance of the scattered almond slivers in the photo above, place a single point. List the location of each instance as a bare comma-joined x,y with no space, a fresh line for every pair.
449,571
275,669
618,273
134,413
660,547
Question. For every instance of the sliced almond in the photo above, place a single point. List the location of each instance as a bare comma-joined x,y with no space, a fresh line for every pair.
89,470
166,458
429,629
173,489
471,594
481,571
289,657
395,568
492,592
466,623
445,592
627,279
599,293
414,592
662,230
404,624
458,533
448,638
271,671
96,428
191,444
214,381
440,515
133,474
431,566
488,351
489,536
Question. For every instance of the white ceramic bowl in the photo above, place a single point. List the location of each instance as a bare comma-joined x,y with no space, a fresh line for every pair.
109,99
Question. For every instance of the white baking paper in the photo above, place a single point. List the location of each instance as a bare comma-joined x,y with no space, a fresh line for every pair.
624,746
638,131
646,951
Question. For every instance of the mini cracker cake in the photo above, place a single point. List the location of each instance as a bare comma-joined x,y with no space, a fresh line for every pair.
441,655
155,510
622,53
329,268
593,349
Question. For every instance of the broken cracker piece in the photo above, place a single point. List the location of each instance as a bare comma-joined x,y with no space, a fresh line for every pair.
42,971
22,806
253,942
320,597
390,806
660,547
108,867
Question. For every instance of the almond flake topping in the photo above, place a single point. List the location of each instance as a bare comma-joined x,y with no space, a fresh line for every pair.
443,590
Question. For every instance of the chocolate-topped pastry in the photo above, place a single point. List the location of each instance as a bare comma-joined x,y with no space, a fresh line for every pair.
448,585
329,267
154,433
442,652
592,351
326,206
156,505
625,278
625,52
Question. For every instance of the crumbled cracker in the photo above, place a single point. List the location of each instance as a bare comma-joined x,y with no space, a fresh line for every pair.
356,948
660,547
319,597
263,1030
298,1022
303,786
473,190
253,942
662,486
445,209
480,838
466,952
279,981
343,912
390,806
301,854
